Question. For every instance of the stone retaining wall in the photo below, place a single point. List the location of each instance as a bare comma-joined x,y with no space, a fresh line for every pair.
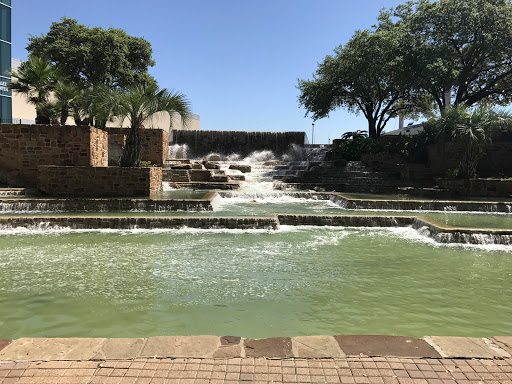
155,145
87,222
116,142
478,187
24,147
105,205
99,181
443,156
202,143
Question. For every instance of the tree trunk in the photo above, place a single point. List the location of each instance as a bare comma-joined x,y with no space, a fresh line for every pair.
372,129
132,151
64,113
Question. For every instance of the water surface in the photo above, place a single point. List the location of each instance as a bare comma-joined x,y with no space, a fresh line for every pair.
296,281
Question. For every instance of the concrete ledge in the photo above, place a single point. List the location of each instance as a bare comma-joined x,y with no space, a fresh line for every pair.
208,347
505,342
466,347
52,349
181,346
386,346
4,343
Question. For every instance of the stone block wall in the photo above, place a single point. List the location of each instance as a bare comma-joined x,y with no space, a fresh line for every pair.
24,147
155,145
99,181
446,155
116,142
202,143
98,148
477,187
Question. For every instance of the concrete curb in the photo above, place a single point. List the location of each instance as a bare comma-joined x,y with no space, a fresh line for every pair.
309,347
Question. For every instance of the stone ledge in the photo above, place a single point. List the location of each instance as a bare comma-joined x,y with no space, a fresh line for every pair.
207,347
466,347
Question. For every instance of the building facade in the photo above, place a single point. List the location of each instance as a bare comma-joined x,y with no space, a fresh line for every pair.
5,61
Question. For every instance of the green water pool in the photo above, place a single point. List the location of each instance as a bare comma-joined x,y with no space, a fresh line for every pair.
295,281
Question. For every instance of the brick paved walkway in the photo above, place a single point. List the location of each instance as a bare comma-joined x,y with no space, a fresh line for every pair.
379,370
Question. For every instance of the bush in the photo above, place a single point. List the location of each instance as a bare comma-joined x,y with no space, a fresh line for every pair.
411,148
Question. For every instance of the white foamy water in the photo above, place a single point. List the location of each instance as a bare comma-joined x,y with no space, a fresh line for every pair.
320,236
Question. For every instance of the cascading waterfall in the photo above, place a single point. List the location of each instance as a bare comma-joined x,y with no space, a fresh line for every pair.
178,151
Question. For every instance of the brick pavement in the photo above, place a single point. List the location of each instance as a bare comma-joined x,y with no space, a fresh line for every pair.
350,370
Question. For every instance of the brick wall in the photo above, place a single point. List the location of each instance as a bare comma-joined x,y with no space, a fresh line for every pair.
24,147
99,181
155,145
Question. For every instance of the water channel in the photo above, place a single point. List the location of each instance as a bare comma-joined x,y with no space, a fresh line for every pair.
296,280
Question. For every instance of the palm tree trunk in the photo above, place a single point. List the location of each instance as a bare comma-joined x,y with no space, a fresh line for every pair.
132,151
64,113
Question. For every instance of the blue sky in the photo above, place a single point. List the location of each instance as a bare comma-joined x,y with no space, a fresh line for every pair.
238,61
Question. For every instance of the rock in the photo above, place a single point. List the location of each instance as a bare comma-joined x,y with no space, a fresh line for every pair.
209,165
214,158
219,178
181,166
200,175
241,167
237,177
198,166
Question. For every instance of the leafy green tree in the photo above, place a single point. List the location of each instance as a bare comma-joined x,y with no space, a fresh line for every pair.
367,76
475,130
36,79
90,56
138,105
460,52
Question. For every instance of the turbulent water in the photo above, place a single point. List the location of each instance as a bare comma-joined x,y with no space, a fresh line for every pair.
295,281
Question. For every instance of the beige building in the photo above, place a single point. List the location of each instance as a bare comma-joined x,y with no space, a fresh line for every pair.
25,113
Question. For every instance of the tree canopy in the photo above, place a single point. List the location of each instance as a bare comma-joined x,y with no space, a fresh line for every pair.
460,52
366,75
91,56
422,53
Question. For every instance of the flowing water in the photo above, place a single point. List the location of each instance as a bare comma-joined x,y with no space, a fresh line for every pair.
295,281
255,283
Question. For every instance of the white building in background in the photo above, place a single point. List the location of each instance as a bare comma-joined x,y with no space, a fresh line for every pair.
25,113
408,130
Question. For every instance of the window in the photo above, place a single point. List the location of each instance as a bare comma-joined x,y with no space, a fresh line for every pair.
5,23
5,59
5,109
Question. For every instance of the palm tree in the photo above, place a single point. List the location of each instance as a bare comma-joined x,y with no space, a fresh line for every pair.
354,135
65,95
138,105
474,128
95,106
49,110
36,79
